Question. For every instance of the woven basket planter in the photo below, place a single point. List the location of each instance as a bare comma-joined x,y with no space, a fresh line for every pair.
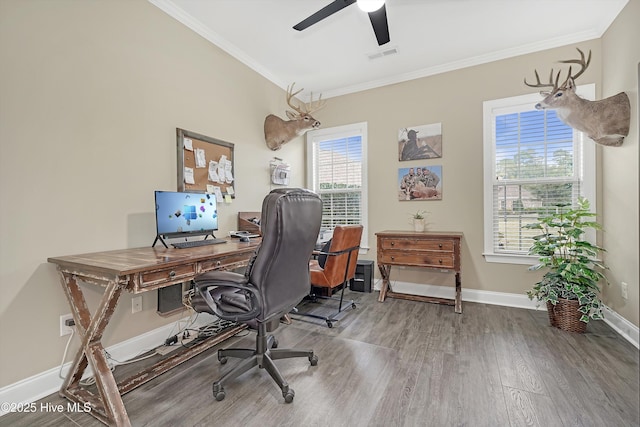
565,315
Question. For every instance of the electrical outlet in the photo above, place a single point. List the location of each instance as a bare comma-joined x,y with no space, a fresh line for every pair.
64,329
624,289
136,304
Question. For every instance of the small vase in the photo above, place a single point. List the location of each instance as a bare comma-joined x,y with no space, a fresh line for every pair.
418,224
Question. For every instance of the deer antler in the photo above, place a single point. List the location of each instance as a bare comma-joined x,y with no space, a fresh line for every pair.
583,65
306,108
551,83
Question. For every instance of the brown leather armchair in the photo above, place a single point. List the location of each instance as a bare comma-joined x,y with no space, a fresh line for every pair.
334,267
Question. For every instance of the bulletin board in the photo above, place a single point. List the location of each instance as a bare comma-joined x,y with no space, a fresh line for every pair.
194,151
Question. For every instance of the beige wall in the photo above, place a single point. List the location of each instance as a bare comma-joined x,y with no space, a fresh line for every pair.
456,100
91,94
621,56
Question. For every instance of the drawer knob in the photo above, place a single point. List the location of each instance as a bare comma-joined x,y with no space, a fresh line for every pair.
393,243
218,264
440,261
393,258
172,274
440,245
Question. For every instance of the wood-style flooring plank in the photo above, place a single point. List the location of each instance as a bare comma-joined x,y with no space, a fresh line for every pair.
400,363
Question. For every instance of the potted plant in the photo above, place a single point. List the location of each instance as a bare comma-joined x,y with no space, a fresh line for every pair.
570,286
418,220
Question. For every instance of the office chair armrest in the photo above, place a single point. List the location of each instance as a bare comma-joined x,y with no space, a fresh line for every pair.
228,280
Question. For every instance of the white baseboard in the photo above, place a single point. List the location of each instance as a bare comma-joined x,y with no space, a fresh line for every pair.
622,326
619,324
48,382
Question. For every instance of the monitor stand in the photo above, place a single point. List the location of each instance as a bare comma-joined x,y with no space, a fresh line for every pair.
159,237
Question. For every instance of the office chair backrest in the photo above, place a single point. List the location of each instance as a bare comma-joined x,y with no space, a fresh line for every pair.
290,225
344,237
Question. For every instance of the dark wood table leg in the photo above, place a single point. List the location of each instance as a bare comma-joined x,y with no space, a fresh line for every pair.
109,408
385,272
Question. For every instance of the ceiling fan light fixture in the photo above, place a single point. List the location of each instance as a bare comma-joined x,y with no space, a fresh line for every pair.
370,5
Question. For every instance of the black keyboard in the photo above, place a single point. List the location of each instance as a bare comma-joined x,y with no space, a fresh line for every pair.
196,243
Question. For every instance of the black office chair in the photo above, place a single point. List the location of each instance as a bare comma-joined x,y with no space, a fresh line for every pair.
275,281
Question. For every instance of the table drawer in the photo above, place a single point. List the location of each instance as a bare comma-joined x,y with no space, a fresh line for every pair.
167,275
224,263
409,244
424,259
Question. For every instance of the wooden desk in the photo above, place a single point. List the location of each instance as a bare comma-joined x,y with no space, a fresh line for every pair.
434,250
132,270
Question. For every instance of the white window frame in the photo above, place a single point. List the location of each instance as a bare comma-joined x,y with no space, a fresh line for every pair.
587,172
316,136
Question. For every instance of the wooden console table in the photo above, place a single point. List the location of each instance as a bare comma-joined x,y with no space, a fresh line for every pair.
438,250
132,270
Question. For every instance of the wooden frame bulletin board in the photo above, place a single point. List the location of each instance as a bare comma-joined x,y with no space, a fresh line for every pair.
213,150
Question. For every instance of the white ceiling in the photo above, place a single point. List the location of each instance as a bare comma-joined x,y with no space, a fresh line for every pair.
431,36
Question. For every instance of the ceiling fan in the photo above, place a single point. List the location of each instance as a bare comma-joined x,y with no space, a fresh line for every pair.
375,8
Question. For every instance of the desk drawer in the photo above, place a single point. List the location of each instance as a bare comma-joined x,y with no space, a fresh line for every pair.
227,263
167,275
409,244
424,259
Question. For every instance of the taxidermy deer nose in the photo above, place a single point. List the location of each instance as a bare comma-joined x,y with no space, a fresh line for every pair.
539,106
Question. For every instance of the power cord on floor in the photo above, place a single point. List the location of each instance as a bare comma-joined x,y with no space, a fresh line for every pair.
66,349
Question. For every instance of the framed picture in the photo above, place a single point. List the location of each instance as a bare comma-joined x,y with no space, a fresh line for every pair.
420,183
420,142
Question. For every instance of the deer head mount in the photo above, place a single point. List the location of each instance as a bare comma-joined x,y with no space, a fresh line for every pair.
605,121
278,132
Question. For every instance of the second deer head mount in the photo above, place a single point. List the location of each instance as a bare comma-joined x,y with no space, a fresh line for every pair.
605,121
278,132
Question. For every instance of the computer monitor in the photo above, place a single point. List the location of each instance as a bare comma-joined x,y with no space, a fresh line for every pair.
185,214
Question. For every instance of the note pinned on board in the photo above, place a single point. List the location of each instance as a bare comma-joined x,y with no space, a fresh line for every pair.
227,172
201,161
188,144
227,199
213,174
218,193
188,176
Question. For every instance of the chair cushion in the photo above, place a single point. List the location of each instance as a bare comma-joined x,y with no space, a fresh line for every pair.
322,258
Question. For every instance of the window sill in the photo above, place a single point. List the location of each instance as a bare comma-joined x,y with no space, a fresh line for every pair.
510,258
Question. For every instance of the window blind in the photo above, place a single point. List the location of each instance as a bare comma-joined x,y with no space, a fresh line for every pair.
537,166
338,174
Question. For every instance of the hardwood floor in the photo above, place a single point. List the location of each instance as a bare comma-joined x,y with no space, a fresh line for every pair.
402,363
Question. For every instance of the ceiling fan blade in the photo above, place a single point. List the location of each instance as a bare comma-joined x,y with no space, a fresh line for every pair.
325,12
380,25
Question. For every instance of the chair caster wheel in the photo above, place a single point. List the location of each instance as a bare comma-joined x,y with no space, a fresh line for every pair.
218,393
288,395
330,323
222,359
275,343
353,305
313,360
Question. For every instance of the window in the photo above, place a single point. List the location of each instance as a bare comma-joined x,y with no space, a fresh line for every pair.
532,161
337,171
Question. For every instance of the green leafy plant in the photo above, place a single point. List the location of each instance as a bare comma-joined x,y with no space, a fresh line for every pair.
573,267
420,214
